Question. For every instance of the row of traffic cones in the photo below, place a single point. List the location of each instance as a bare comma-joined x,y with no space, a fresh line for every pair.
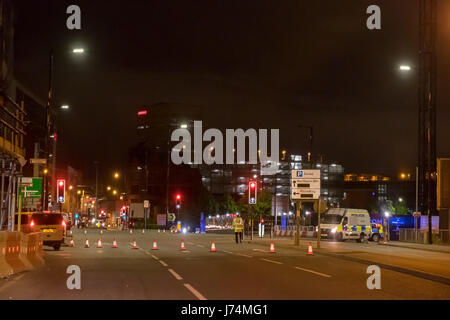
183,248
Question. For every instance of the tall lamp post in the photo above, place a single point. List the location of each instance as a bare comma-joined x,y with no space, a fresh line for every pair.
48,123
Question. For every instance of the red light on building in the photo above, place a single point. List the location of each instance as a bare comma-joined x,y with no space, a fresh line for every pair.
142,113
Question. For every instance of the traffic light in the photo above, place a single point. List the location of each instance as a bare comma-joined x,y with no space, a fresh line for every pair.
102,213
262,221
178,201
123,211
61,191
252,192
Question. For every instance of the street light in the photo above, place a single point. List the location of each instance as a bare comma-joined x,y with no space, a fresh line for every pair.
116,175
78,50
405,68
65,107
108,188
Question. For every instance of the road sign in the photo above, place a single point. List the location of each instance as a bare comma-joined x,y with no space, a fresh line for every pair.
417,214
305,184
146,204
305,174
38,161
304,193
31,191
171,217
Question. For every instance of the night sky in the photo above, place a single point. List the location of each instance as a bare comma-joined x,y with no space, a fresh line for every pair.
251,64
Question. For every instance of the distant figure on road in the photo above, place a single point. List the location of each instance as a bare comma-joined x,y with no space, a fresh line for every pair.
238,225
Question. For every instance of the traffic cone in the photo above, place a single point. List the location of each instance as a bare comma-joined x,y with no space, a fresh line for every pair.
87,244
155,246
310,250
272,247
164,230
114,243
71,243
159,231
143,231
213,246
85,232
182,246
134,244
99,243
101,231
131,231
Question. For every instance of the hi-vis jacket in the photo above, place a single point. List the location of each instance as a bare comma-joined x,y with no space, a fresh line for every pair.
238,224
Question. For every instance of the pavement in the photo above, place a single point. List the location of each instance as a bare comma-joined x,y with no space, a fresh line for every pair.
247,271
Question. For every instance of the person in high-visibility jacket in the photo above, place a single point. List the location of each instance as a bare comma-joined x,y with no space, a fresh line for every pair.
238,225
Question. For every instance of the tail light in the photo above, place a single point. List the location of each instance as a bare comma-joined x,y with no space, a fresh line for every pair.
63,223
32,223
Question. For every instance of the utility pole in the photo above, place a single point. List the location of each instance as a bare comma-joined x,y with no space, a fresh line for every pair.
297,223
427,110
48,123
96,188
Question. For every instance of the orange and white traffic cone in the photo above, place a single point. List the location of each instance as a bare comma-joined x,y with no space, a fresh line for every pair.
182,246
134,244
272,247
159,231
213,246
114,243
131,231
86,244
101,231
143,231
99,243
310,250
72,244
155,246
85,231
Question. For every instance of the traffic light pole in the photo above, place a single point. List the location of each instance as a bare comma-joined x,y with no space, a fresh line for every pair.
297,224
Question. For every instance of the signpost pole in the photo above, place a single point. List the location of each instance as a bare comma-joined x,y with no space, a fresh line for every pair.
319,232
297,224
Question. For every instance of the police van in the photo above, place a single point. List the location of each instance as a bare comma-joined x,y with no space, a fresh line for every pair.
345,223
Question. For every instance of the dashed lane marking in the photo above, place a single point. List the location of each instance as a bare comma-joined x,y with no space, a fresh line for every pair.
244,255
176,275
315,272
199,245
272,261
229,252
163,263
259,250
194,292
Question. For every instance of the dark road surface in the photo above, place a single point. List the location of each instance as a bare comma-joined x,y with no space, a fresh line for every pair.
235,271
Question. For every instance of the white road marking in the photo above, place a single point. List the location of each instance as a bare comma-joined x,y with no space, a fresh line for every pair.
311,271
199,245
260,250
244,255
176,275
277,262
229,252
191,243
194,292
163,263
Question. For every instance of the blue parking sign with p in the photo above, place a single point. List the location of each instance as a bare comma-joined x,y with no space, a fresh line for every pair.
300,173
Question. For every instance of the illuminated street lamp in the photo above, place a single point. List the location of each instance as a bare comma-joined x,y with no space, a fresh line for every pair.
78,50
108,188
65,107
405,68
114,192
116,175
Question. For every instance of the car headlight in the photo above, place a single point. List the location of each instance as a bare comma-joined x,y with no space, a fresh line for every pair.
334,230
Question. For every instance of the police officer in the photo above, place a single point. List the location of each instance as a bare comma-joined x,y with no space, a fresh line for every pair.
238,225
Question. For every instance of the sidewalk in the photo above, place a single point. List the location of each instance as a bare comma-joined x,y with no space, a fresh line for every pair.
418,246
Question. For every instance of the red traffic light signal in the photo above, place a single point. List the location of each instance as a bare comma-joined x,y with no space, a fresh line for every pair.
178,201
61,191
252,192
262,220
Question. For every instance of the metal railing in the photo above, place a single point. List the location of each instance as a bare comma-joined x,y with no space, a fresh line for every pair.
420,235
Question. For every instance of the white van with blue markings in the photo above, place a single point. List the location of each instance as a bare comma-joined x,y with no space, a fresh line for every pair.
345,223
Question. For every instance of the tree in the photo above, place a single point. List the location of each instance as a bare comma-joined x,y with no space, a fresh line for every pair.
401,209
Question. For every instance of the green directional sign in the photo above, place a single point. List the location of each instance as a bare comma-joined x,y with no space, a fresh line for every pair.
171,217
31,189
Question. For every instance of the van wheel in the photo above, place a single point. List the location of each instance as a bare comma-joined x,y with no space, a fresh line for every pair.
361,238
376,237
339,236
57,246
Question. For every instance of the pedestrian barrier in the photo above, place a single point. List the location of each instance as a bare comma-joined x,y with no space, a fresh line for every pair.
291,233
19,252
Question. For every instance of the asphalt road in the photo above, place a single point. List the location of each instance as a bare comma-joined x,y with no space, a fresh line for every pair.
245,271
